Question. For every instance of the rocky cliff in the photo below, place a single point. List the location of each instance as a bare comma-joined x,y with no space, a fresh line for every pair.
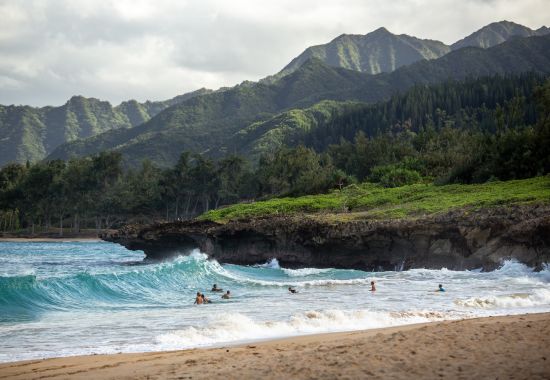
463,239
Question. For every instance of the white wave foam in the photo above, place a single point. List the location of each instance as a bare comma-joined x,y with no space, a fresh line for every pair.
235,327
271,264
304,272
539,297
325,282
513,268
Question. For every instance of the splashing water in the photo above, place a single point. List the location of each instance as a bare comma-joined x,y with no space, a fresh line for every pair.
59,299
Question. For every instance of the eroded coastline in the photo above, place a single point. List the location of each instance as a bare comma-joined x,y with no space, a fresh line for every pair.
460,239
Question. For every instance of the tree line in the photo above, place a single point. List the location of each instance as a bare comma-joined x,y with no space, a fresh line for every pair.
450,133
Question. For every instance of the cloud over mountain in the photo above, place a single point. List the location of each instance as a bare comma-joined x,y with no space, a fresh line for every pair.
51,50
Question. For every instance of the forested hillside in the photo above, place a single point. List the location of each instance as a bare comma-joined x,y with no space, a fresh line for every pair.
497,33
382,51
202,124
484,129
212,124
30,134
377,52
468,104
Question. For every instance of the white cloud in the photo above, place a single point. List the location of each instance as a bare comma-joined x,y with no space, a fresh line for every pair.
117,50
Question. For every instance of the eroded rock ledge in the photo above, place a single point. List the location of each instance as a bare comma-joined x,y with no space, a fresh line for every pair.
463,239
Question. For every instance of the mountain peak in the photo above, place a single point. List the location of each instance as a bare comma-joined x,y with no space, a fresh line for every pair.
505,23
76,98
495,33
380,31
376,52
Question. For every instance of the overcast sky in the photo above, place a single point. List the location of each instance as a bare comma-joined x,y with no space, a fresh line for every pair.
136,49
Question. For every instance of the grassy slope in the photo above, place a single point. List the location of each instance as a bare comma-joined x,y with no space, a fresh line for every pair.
369,201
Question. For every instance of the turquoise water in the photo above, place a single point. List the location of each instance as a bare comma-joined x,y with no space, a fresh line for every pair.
59,299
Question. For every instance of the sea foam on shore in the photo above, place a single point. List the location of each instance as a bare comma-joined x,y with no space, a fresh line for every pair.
59,299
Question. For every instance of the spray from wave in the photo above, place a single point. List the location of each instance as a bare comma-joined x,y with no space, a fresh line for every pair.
518,300
235,327
271,264
304,272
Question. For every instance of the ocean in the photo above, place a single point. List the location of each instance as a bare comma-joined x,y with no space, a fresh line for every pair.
67,298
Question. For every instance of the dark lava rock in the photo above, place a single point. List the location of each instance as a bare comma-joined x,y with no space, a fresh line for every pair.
464,239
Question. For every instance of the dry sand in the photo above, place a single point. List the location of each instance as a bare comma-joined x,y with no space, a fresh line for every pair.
514,347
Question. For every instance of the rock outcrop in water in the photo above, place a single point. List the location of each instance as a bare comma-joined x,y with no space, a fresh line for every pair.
463,239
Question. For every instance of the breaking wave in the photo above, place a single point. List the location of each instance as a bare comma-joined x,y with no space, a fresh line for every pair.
235,327
518,300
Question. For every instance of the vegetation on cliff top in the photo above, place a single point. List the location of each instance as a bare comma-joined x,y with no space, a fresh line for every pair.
470,133
371,201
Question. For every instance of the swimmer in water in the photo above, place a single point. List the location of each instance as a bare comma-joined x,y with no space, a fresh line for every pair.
227,295
291,290
198,299
216,289
204,299
440,289
372,287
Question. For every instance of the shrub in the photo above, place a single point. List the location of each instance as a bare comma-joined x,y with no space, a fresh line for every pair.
394,176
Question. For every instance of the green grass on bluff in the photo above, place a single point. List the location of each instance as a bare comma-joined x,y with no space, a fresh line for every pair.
375,202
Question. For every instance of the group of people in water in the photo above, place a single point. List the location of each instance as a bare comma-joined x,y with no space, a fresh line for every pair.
202,299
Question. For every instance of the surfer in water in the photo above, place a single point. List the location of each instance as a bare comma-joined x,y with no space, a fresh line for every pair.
204,299
372,287
216,289
198,299
440,288
227,295
291,290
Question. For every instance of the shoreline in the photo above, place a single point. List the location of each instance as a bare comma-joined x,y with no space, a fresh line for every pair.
48,239
503,346
460,239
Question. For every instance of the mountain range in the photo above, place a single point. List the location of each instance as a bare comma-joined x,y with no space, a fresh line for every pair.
214,124
30,133
253,118
381,51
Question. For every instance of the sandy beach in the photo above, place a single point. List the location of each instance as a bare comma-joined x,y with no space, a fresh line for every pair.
512,347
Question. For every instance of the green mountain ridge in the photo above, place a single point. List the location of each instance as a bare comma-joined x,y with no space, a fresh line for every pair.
497,33
212,123
374,53
288,128
203,123
382,51
330,122
30,134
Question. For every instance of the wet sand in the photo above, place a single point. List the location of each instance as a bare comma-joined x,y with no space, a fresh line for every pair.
512,347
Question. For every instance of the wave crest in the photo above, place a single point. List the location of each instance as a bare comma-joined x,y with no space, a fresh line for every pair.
518,300
235,327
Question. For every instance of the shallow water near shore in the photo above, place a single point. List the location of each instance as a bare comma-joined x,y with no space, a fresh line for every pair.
73,298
